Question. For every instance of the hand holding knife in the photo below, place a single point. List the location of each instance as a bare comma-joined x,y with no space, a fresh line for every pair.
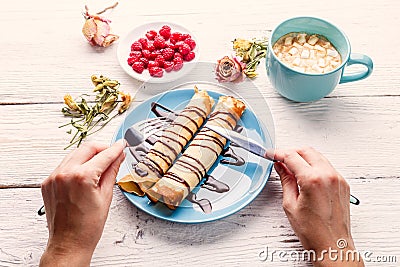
255,148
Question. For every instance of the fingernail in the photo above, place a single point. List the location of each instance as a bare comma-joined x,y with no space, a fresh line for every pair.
122,141
278,167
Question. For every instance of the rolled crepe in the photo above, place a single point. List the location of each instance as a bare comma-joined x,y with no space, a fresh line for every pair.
203,151
170,144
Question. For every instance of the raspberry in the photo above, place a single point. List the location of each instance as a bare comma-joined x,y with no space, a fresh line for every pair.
166,27
175,37
138,67
136,46
178,44
160,60
145,61
143,41
156,72
184,49
159,42
168,66
133,57
168,53
150,46
177,54
178,63
154,54
151,34
146,53
190,56
136,54
152,64
191,43
165,32
185,36
171,45
132,60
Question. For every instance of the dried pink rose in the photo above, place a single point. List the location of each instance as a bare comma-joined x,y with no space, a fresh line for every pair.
230,70
97,29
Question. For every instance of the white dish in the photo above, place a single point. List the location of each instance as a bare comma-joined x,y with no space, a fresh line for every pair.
124,48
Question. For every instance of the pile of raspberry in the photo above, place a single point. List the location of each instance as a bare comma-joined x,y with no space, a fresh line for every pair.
161,51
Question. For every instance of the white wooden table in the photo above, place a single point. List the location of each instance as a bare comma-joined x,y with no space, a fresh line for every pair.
44,55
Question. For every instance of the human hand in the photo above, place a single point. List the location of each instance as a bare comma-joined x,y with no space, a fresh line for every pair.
77,197
316,202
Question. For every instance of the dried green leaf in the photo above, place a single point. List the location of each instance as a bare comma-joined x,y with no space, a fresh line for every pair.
251,53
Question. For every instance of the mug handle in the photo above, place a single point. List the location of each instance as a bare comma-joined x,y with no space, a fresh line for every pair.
358,59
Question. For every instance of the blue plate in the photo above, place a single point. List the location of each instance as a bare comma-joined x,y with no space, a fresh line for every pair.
245,182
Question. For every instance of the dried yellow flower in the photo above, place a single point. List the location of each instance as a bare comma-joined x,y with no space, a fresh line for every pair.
126,102
108,105
70,102
241,44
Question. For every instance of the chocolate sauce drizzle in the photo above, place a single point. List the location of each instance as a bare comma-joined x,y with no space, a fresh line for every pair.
178,134
159,113
238,128
161,155
215,116
211,138
207,147
189,118
177,178
151,140
138,152
140,171
197,110
183,126
234,159
191,167
197,161
212,184
153,166
203,203
215,185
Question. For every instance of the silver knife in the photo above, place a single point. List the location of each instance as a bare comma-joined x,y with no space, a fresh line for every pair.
244,142
255,148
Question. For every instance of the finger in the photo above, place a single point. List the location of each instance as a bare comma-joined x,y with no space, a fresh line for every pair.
312,156
289,184
293,161
101,161
83,153
107,179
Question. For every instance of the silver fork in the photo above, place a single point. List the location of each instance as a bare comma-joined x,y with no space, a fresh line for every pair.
136,134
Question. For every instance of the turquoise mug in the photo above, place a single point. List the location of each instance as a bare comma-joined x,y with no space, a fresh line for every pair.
307,87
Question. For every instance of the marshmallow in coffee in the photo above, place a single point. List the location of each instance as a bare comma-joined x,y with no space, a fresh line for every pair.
308,53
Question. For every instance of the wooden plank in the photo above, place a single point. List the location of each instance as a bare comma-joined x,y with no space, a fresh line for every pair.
42,65
44,56
360,135
132,237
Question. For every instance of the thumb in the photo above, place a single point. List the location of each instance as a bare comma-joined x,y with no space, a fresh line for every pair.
289,183
107,180
101,161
